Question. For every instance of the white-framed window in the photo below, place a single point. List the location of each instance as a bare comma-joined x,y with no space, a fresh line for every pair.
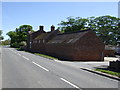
39,41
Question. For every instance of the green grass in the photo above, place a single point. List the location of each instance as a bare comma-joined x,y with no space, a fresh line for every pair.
46,56
43,55
17,48
109,72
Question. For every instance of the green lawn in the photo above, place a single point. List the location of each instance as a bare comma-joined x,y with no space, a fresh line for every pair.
43,55
46,56
109,72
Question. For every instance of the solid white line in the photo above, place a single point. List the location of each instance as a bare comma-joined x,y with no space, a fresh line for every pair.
69,83
12,50
40,66
25,58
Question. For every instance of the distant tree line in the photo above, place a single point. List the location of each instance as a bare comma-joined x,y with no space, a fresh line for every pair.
106,27
19,36
1,37
5,42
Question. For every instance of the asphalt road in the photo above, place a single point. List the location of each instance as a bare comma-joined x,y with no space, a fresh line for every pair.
0,67
25,70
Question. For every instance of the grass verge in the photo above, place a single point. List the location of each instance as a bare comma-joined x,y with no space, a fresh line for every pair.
109,72
43,55
46,56
18,49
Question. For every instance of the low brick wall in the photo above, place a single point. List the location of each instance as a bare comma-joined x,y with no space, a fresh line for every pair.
68,52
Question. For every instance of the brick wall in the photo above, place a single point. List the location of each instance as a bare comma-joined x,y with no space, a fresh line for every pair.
86,48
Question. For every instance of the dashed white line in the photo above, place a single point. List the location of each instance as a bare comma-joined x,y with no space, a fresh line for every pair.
25,58
69,83
19,54
40,66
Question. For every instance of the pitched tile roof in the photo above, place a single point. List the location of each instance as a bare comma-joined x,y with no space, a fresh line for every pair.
42,36
68,38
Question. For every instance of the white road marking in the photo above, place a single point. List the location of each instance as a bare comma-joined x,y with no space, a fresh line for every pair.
58,61
25,58
69,83
40,66
19,54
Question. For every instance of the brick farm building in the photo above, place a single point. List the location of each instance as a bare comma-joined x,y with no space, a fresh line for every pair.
80,46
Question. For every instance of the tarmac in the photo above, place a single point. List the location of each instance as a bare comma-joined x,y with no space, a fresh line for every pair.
92,65
89,64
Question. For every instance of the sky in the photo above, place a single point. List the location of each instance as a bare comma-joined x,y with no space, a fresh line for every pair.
119,9
15,14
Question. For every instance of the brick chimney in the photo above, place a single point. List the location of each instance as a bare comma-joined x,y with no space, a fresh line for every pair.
41,28
52,28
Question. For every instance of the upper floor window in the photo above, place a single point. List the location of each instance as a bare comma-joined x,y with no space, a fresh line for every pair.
43,41
39,41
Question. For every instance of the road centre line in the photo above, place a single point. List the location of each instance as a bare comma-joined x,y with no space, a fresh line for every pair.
69,83
40,66
25,58
19,54
12,51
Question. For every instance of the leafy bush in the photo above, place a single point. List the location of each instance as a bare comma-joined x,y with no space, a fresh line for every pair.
16,45
23,43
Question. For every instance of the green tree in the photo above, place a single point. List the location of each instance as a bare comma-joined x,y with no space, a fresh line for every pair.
73,24
106,27
1,37
19,35
6,42
22,31
14,38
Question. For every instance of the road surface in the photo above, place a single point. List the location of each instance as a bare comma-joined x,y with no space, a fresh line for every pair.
25,70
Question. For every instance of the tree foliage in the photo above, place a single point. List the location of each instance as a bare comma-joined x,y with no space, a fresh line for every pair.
6,42
1,37
73,24
106,27
19,35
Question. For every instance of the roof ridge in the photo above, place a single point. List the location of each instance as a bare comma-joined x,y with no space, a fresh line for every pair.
74,32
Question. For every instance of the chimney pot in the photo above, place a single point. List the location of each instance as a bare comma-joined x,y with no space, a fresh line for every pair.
41,28
52,28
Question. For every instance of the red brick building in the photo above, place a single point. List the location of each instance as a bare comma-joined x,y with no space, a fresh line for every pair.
81,45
